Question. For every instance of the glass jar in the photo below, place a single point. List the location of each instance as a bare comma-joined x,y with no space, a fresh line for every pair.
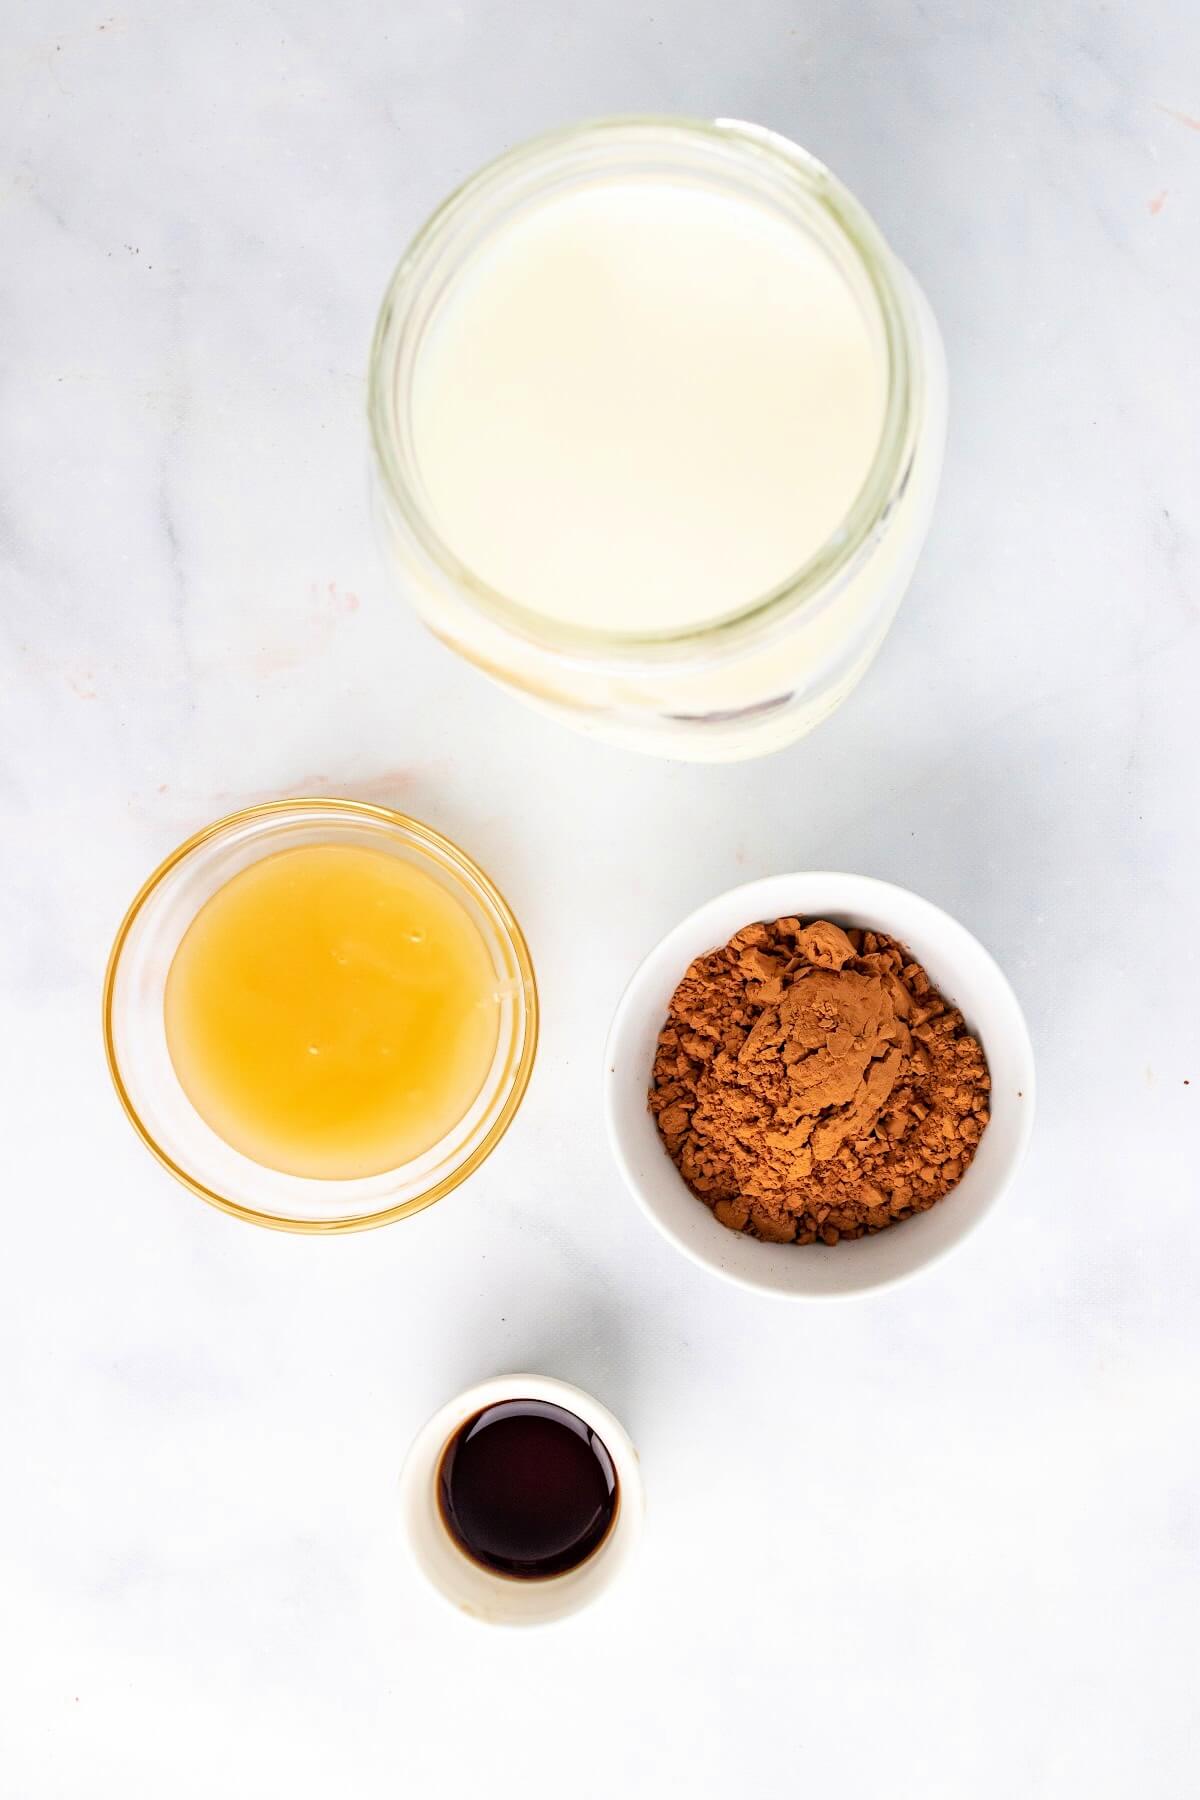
763,675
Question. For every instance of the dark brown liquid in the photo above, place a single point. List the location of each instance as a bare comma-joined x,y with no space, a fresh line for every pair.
527,1488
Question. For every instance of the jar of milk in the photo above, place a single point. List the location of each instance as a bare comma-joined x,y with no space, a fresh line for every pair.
658,420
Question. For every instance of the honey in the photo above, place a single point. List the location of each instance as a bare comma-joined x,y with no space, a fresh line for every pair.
332,1011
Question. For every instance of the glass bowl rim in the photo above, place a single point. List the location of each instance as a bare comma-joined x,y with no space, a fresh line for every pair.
425,835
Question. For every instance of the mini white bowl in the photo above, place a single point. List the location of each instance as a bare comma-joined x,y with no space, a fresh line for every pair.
504,1599
964,973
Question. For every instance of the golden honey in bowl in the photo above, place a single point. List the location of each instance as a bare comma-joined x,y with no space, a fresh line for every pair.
332,1011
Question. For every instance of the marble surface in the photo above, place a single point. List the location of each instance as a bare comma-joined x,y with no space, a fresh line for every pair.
936,1545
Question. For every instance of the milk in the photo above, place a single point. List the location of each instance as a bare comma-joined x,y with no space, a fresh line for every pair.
642,405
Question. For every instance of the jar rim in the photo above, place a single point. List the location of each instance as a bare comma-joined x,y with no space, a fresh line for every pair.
479,201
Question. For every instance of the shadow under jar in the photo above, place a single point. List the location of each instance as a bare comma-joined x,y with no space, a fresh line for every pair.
658,420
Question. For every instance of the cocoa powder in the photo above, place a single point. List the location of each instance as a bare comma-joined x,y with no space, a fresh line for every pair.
810,1083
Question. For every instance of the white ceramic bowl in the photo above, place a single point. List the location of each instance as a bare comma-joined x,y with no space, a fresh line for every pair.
959,967
504,1599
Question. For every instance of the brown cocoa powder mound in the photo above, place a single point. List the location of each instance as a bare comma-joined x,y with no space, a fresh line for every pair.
811,1084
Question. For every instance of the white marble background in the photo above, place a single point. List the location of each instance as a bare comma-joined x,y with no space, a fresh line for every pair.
940,1545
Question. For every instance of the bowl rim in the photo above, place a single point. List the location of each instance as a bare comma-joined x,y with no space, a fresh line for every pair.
879,890
424,834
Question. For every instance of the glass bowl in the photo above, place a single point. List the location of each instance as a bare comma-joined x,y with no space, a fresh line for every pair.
135,1036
